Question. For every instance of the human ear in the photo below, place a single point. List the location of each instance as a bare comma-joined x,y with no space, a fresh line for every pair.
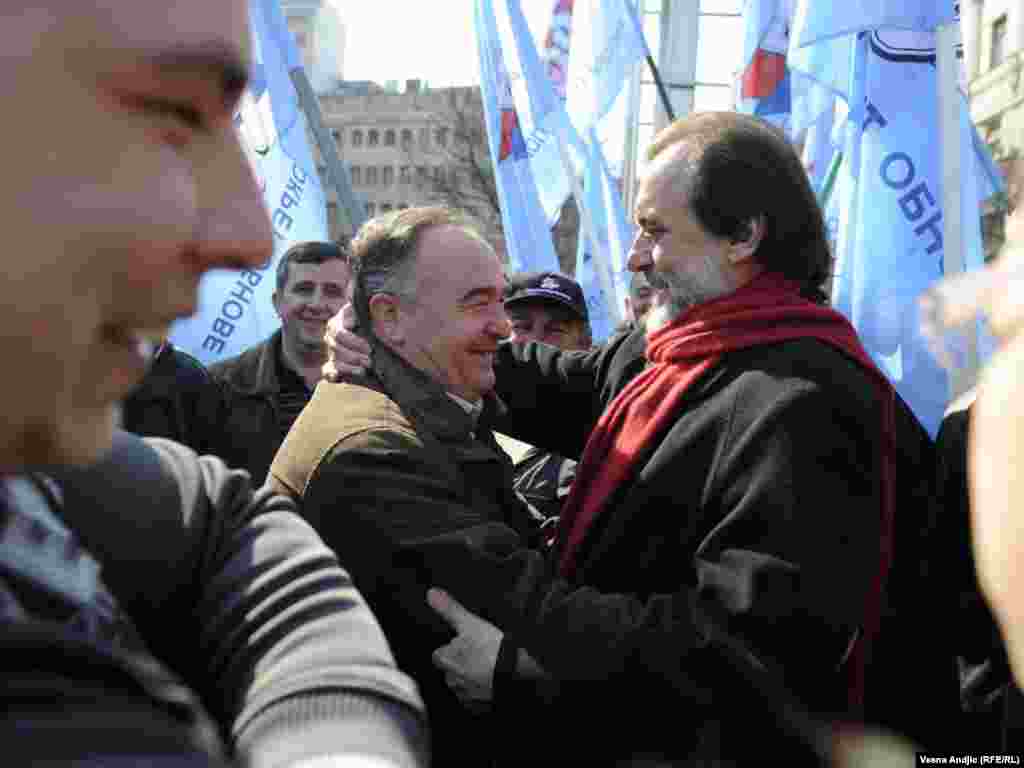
744,244
386,318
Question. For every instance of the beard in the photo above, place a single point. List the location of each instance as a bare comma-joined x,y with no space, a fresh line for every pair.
676,291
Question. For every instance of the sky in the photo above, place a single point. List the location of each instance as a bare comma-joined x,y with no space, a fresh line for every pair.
399,40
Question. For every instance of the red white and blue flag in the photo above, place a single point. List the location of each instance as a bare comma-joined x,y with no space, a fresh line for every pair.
528,172
764,87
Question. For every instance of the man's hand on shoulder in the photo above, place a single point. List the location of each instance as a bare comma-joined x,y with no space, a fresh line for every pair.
347,353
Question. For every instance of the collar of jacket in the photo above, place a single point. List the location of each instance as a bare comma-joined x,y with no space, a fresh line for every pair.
419,394
160,381
256,371
164,377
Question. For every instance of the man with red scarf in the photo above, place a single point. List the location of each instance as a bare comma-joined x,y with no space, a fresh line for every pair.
742,464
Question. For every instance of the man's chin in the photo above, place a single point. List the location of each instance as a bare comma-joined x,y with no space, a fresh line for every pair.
660,315
312,342
80,438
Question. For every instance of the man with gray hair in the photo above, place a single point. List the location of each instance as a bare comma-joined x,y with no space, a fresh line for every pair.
745,475
405,455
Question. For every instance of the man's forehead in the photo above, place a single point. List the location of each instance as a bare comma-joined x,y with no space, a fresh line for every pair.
455,255
667,177
330,271
674,162
129,26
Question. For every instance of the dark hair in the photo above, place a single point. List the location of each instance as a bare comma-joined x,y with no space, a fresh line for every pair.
310,252
383,252
743,169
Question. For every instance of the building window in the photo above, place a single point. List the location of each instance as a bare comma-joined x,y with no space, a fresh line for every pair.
373,138
998,51
424,138
441,137
371,209
385,207
389,137
438,174
387,175
357,138
336,135
403,206
421,174
404,174
371,176
406,137
357,174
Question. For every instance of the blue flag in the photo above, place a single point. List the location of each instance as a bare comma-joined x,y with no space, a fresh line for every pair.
816,21
768,85
890,240
525,222
235,310
614,234
556,46
540,113
607,45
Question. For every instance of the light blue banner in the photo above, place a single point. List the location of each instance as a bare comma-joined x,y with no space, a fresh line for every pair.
540,113
890,242
235,310
614,234
607,45
524,221
818,20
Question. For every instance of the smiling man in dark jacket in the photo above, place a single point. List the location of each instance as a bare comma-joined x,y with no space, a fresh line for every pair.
405,455
267,386
744,473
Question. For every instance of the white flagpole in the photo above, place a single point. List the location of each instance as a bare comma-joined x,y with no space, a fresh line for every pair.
629,168
947,40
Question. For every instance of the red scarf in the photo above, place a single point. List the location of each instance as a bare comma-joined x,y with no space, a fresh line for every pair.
767,310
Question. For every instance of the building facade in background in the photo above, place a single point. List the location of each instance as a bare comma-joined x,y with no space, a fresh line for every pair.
993,37
421,146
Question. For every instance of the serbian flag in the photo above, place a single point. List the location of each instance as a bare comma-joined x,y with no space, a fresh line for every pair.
525,160
764,83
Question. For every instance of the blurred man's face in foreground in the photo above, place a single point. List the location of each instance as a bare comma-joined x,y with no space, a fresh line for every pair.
996,441
125,182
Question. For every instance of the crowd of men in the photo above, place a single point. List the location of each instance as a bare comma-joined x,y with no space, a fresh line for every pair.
720,538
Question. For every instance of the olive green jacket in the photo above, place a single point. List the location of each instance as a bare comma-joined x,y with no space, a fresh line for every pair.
390,462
